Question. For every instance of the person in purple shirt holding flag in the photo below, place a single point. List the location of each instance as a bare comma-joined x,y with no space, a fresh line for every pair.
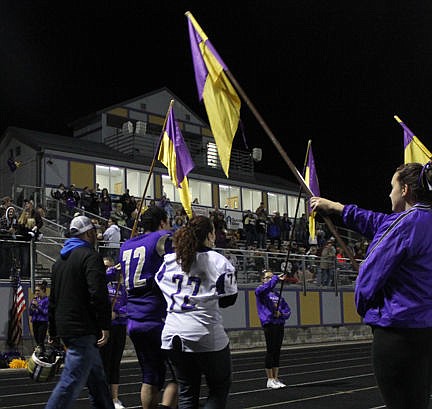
393,291
272,312
140,259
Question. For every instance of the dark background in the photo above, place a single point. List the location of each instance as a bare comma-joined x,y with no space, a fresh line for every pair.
332,71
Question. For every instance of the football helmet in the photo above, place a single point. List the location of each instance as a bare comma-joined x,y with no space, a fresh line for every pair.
42,366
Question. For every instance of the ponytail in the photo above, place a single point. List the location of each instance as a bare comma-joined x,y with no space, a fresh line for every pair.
189,239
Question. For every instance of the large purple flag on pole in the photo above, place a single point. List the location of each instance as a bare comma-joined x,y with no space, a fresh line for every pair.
220,98
174,154
311,179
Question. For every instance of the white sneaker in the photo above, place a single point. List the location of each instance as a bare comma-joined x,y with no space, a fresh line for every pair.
272,384
281,384
118,404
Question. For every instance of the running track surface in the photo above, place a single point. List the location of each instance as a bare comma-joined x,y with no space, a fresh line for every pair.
317,377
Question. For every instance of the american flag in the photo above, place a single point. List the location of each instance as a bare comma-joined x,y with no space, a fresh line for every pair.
16,312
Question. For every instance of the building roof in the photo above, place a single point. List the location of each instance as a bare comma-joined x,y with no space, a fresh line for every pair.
41,141
78,123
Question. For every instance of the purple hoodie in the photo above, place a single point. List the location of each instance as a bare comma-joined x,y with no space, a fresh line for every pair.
266,300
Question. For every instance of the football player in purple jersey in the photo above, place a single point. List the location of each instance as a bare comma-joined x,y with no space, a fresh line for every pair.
140,259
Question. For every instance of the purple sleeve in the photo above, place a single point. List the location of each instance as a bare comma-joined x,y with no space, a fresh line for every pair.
363,221
385,255
265,288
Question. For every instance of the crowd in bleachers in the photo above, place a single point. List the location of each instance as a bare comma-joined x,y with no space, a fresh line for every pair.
260,232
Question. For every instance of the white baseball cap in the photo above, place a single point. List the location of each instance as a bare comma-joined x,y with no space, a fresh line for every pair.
80,225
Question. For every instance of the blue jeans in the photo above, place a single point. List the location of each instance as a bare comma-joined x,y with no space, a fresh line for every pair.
83,366
324,276
188,367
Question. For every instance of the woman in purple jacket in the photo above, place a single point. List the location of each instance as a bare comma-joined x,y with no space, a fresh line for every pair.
39,315
394,287
272,313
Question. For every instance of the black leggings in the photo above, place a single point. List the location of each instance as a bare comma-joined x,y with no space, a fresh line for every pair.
112,353
39,331
402,360
274,334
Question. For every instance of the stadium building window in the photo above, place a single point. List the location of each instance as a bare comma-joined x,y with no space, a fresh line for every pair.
111,177
202,191
229,197
136,181
251,199
169,189
276,203
292,204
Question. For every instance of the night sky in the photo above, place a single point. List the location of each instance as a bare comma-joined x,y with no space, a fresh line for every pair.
332,71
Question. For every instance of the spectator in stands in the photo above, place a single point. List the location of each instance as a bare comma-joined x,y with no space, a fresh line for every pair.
286,225
129,206
112,352
178,222
94,202
302,231
9,221
59,193
27,231
327,264
121,219
72,199
274,229
152,203
86,199
249,228
273,311
112,239
6,202
8,249
72,192
105,206
169,210
261,228
41,210
220,231
261,211
29,207
312,260
124,196
39,315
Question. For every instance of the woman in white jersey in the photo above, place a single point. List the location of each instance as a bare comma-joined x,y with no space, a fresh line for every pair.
196,281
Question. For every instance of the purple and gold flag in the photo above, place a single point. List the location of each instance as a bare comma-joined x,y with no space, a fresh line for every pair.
311,179
174,154
220,99
414,150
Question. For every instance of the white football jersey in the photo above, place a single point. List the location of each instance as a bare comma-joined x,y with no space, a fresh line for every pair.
193,301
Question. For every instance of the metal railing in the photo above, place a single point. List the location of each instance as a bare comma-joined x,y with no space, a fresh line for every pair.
135,145
303,270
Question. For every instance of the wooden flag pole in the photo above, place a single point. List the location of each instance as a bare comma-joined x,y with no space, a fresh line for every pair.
138,215
290,164
293,229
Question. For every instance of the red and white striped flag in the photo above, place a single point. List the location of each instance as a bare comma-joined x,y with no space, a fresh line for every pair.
16,312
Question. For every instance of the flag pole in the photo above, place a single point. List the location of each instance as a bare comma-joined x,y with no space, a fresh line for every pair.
290,164
138,215
293,229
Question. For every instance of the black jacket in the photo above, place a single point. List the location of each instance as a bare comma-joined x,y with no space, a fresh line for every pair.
79,303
